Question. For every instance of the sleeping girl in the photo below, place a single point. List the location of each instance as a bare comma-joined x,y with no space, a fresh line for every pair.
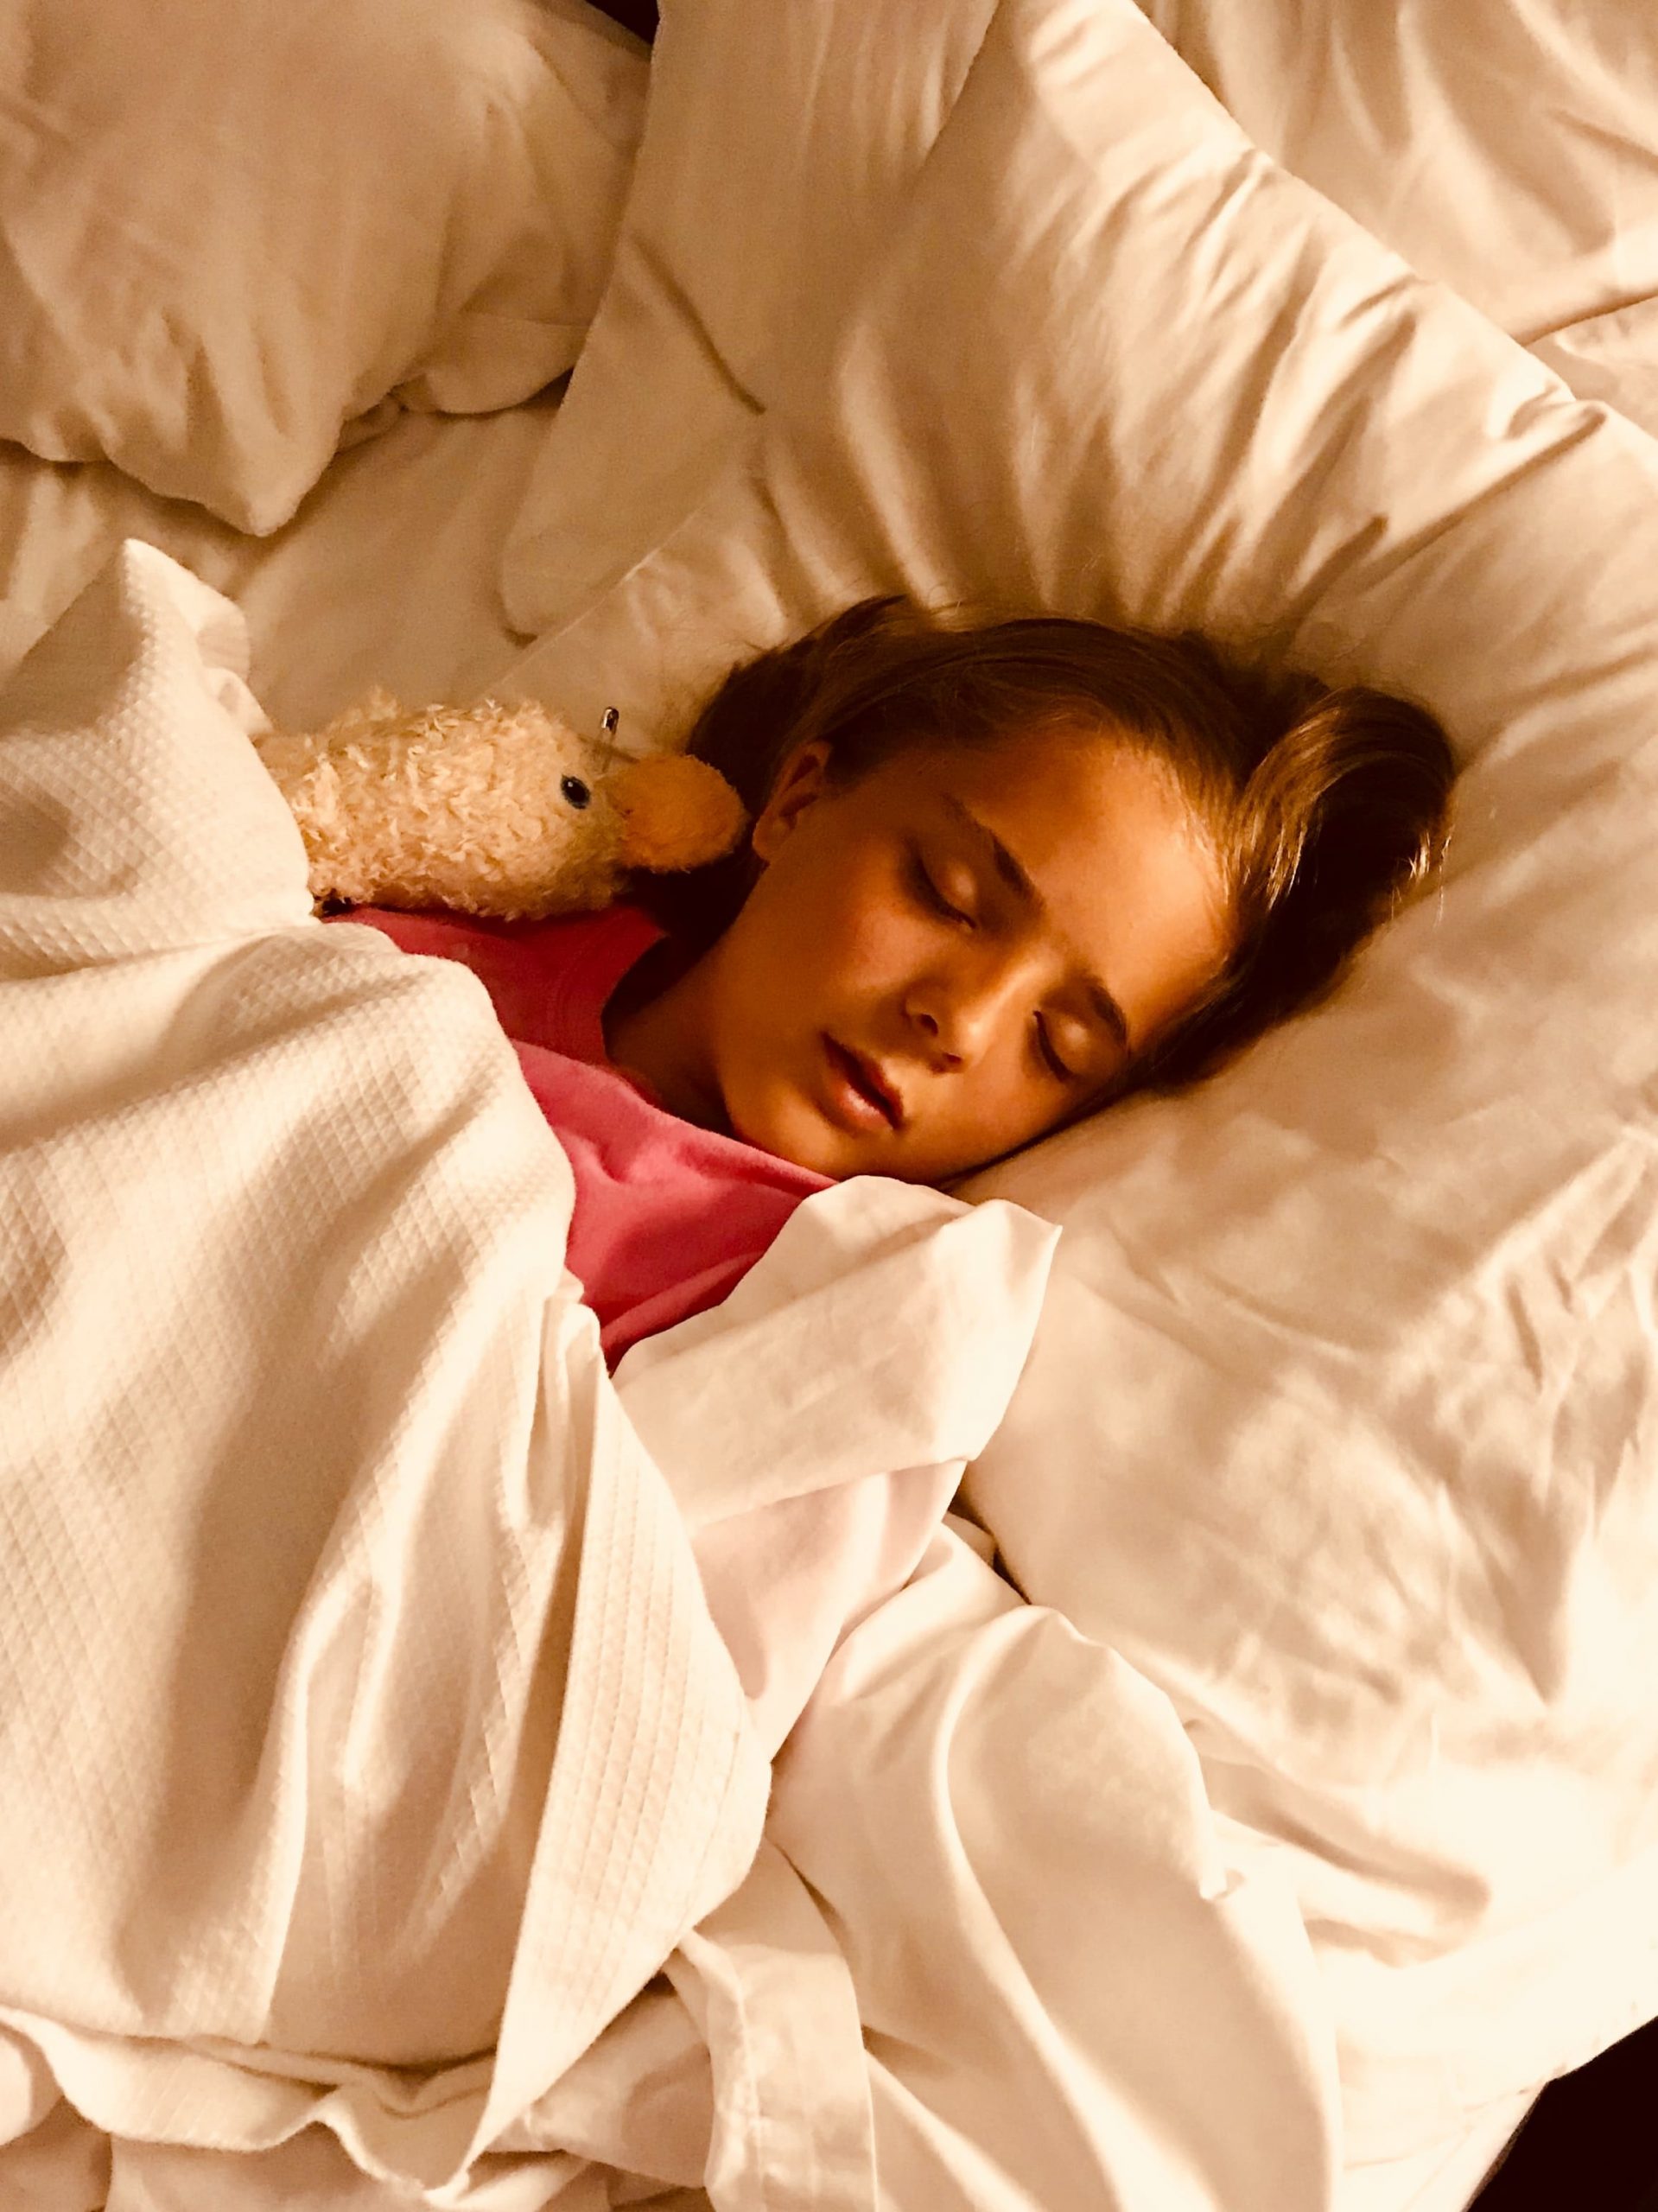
999,876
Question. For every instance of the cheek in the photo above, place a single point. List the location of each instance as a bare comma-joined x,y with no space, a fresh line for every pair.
1010,1108
980,1121
828,922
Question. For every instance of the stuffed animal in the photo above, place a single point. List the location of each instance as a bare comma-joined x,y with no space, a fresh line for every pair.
492,810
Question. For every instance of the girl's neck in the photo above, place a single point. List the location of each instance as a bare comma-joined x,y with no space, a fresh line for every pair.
656,1025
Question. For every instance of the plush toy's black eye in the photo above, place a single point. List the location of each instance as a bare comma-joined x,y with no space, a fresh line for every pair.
576,791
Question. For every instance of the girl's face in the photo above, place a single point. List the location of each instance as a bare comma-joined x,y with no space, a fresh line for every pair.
959,951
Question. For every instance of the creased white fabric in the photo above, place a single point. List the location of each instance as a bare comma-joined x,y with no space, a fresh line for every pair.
997,1945
233,236
1509,148
797,1532
386,575
1071,1992
368,1742
778,143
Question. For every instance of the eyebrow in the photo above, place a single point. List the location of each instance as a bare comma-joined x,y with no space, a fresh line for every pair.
1017,877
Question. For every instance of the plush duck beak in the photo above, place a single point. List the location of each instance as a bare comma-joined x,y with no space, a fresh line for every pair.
676,812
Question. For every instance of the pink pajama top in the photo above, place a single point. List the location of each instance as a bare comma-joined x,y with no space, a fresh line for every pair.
668,1216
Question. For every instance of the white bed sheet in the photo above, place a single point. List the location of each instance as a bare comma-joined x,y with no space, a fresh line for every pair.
387,574
1444,2179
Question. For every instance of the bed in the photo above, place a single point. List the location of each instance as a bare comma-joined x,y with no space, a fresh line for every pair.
1244,1795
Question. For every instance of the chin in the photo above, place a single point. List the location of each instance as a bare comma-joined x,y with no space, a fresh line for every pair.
805,1139
800,1138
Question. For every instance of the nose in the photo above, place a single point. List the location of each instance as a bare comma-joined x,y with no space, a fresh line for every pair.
956,1016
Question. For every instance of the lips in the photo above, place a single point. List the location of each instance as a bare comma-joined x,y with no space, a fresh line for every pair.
861,1090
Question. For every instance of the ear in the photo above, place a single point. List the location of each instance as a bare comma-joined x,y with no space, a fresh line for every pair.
802,781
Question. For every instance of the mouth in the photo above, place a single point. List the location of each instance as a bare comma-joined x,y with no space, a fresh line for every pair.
863,1095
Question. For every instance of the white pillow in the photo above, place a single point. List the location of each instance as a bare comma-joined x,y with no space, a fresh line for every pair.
1508,147
1341,1423
231,232
778,143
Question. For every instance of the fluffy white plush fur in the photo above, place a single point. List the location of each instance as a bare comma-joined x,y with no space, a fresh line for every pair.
489,809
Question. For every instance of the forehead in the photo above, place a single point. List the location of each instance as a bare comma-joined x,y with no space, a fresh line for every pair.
1126,880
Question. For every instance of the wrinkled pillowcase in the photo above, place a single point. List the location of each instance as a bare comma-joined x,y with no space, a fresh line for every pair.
1537,197
231,234
779,144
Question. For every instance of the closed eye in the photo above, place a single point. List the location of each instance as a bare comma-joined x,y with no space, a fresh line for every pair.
1055,1065
929,893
